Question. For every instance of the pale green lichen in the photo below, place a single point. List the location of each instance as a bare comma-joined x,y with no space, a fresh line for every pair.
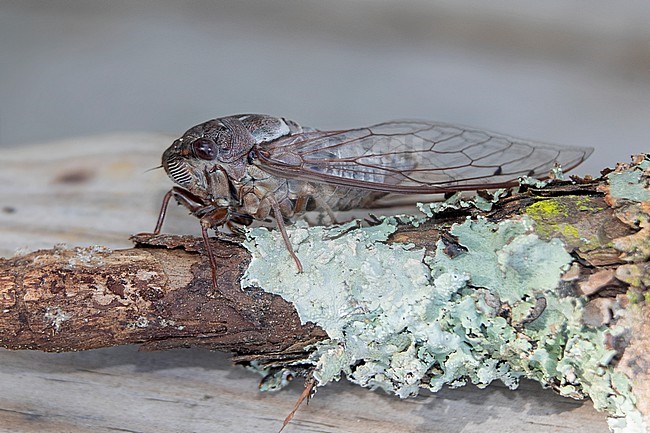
629,184
535,183
338,272
633,185
399,319
456,201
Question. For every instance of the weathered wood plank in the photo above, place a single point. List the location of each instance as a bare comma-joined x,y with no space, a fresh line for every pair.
121,389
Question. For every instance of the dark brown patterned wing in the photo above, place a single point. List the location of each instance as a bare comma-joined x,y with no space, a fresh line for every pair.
413,157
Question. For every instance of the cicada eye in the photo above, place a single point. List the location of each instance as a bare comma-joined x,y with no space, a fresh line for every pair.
204,148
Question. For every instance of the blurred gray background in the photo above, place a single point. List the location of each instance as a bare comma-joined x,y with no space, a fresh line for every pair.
563,71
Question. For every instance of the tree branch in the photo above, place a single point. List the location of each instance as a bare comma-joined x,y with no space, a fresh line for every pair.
159,293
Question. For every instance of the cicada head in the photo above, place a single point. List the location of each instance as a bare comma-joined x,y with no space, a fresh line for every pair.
210,155
201,159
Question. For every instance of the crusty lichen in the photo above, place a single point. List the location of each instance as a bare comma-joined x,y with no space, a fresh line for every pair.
551,216
631,184
55,316
629,190
457,201
338,272
400,319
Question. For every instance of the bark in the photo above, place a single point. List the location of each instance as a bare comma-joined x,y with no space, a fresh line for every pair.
158,294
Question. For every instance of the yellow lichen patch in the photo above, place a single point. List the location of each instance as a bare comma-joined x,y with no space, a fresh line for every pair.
586,204
569,232
546,210
560,217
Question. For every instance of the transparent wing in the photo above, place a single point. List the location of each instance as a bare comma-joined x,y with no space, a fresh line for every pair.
413,157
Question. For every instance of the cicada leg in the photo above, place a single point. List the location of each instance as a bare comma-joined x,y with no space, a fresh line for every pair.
310,192
301,204
327,208
305,395
215,218
163,211
187,199
283,230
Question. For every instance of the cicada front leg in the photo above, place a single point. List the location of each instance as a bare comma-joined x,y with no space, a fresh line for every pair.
210,218
214,218
184,197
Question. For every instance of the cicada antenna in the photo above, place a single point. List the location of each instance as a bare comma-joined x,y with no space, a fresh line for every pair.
153,168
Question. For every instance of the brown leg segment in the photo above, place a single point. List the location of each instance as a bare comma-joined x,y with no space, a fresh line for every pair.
301,203
216,218
310,191
186,198
163,211
213,261
306,395
283,231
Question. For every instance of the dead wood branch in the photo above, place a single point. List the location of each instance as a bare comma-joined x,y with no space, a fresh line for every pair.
158,293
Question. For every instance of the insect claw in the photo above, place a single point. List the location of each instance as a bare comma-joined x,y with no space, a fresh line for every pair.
297,260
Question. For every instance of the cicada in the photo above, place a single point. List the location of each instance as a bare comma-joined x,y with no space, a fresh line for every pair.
234,170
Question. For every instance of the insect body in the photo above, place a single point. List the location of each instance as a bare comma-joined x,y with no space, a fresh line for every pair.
237,169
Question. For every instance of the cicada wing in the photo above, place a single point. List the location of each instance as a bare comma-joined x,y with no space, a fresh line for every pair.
414,157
